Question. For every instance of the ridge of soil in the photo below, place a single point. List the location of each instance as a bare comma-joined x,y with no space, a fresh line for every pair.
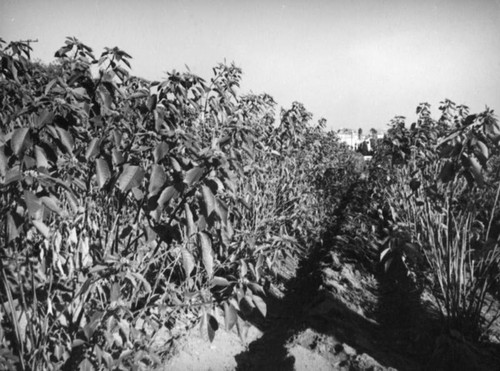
337,312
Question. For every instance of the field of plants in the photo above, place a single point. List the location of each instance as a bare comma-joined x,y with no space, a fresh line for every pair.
131,208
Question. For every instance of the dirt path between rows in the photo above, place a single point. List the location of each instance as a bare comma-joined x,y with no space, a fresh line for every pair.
337,314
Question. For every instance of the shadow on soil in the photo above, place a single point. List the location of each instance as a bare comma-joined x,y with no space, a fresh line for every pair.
399,332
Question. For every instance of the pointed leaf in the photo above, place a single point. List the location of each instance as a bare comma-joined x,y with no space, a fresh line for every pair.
191,227
138,194
188,262
72,201
130,177
106,98
94,322
206,252
44,117
93,148
209,199
475,168
102,172
117,137
230,316
50,85
33,204
256,288
260,304
12,228
167,194
145,284
447,172
247,305
220,281
161,151
212,327
175,164
157,180
3,162
41,158
388,263
193,175
117,157
115,293
13,175
52,204
66,139
42,228
483,150
151,103
222,210
19,140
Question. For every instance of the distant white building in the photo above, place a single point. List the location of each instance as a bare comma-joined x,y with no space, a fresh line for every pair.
353,139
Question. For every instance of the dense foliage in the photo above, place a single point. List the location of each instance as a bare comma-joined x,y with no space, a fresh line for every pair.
130,207
127,205
436,193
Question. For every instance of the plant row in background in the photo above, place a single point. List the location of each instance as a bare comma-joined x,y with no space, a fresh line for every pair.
436,198
127,204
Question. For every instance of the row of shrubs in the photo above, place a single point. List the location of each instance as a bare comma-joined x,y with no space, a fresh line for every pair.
129,205
436,192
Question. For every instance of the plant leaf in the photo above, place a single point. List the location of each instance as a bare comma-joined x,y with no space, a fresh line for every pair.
167,194
247,305
3,162
106,98
115,293
66,139
93,148
222,210
256,288
260,304
157,180
212,327
42,228
117,157
130,177
220,281
482,149
447,172
161,151
44,117
191,227
102,172
230,316
41,158
193,175
85,365
188,262
151,103
52,204
33,204
12,228
209,199
13,175
475,168
19,140
206,252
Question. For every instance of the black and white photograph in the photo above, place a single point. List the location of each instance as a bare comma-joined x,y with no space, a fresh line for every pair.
219,185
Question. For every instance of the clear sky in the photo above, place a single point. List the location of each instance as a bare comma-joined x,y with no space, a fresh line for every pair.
356,63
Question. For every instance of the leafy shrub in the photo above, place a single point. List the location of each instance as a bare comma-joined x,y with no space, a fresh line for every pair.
440,201
126,202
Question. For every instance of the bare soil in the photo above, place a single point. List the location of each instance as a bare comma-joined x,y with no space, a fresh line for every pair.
344,321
